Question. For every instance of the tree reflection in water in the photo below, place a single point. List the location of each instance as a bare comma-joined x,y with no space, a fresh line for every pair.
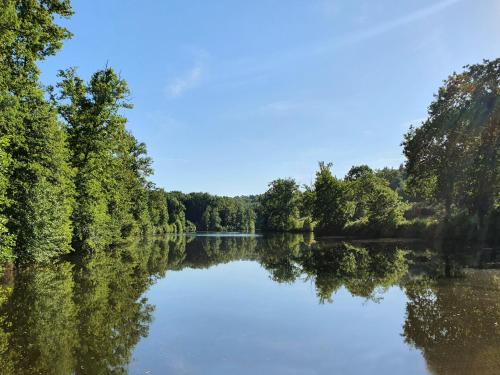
454,319
85,315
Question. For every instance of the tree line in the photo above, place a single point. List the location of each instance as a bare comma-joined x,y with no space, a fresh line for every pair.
215,213
361,201
448,187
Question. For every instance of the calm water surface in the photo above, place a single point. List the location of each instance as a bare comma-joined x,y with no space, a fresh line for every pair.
238,304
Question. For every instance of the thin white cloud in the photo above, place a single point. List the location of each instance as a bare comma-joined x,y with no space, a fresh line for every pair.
186,82
368,33
250,67
399,22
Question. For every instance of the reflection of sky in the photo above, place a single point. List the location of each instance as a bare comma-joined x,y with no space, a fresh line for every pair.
233,319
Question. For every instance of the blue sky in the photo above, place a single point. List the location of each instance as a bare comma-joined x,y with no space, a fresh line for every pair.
231,94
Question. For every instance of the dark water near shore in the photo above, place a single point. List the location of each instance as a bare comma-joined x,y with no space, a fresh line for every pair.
238,304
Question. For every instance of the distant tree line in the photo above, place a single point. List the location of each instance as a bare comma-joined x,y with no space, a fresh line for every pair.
214,213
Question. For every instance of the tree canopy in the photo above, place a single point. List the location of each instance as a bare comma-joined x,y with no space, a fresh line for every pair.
453,157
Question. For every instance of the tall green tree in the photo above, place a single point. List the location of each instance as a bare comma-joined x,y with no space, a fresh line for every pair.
205,218
132,168
36,201
158,210
215,220
453,157
176,212
279,205
332,207
109,162
378,208
6,239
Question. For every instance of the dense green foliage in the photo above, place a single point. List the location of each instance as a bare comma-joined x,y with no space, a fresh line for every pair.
378,208
279,206
332,207
453,159
110,165
362,203
213,213
36,188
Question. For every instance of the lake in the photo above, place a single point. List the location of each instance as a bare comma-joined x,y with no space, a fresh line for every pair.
252,304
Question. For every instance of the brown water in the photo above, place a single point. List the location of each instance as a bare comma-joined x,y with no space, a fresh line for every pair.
251,304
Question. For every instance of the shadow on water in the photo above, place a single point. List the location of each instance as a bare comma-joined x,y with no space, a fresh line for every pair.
86,315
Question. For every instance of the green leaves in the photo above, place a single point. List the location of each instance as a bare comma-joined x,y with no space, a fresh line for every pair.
332,208
377,206
111,165
35,179
279,206
454,156
362,204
